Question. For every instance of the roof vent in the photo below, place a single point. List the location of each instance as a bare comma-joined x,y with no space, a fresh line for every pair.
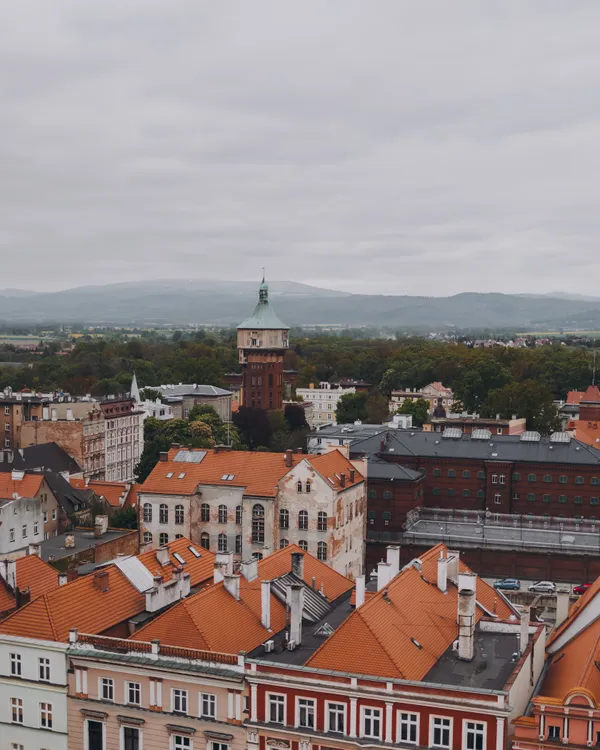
452,432
530,436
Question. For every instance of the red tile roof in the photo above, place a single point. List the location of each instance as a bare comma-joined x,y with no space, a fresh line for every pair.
330,467
113,492
574,397
33,574
574,666
258,473
592,394
201,569
29,486
376,638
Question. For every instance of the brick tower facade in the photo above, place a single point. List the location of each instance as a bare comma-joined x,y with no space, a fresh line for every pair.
262,342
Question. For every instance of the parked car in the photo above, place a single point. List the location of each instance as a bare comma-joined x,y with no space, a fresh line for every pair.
543,587
581,589
508,584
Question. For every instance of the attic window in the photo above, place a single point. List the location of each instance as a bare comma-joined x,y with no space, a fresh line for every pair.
194,551
179,558
227,477
417,644
181,476
325,629
169,474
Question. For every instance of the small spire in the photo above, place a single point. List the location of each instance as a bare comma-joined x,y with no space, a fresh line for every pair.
263,290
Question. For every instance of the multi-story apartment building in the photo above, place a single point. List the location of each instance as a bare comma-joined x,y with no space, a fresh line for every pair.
30,512
123,438
181,398
17,408
253,503
435,393
324,399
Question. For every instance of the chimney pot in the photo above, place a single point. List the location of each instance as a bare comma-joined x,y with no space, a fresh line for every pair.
343,479
384,575
524,637
467,601
442,574
218,573
101,580
298,565
232,584
249,569
352,476
393,558
288,458
360,590
265,604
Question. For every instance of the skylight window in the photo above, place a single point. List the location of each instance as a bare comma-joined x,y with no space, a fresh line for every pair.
179,558
329,479
181,476
169,475
227,477
194,551
416,642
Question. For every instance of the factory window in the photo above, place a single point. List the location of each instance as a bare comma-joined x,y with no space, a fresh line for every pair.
205,512
372,494
466,474
546,498
563,479
578,500
547,477
579,480
451,473
480,493
436,491
387,495
516,476
595,481
594,501
531,497
437,473
481,475
451,493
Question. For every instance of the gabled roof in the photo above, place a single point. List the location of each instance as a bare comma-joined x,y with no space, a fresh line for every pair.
197,561
28,486
214,620
330,467
50,456
258,473
379,637
79,604
69,498
575,666
115,493
33,574
592,395
574,397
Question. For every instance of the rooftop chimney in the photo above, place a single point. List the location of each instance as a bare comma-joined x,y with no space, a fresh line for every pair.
10,573
352,476
162,556
296,600
393,559
33,549
265,604
562,606
442,573
343,479
288,458
298,565
100,525
524,637
232,584
226,560
384,575
163,456
218,573
17,475
466,616
360,590
22,597
453,566
101,580
62,579
249,569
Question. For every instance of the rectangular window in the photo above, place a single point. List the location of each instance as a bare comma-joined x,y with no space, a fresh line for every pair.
131,738
181,742
498,499
554,732
107,688
502,479
46,715
408,727
494,479
208,705
36,528
11,535
24,531
276,708
179,701
306,713
474,735
134,693
15,665
371,722
16,707
44,669
440,736
336,715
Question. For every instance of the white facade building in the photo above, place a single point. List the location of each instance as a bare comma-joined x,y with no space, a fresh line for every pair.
324,400
33,694
123,438
21,524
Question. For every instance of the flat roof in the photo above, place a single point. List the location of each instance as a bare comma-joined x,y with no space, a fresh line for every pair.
84,539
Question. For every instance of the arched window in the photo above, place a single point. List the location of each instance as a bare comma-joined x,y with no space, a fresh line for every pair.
283,543
178,536
303,544
299,485
147,512
179,514
308,485
222,514
163,539
303,520
163,513
284,518
222,542
238,515
205,540
238,544
321,551
147,537
258,524
322,521
205,513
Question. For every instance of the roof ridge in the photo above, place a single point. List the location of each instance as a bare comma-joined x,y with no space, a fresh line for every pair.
50,620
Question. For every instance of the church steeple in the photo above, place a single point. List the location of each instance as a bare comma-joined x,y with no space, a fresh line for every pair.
263,290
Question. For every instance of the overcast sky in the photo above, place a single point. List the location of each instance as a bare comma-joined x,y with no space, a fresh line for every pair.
398,147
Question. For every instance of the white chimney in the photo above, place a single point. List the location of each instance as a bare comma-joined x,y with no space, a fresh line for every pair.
265,604
393,559
466,616
298,565
562,606
453,566
54,415
45,413
360,590
296,600
162,556
62,579
232,584
70,414
10,573
384,575
524,638
226,560
442,573
218,573
249,569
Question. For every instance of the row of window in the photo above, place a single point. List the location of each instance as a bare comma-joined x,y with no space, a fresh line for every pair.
18,717
180,699
371,723
516,477
132,739
577,499
163,513
16,667
12,532
284,520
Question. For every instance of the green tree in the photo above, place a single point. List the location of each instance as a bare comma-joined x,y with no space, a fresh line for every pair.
151,394
125,518
253,424
388,382
419,409
377,409
295,416
351,408
529,399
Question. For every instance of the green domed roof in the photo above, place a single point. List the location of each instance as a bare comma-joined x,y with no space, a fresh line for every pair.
263,317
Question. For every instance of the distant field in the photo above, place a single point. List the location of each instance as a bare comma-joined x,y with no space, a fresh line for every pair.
549,334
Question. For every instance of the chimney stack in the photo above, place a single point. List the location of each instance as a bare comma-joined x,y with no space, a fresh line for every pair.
466,616
226,560
288,458
162,556
384,575
218,573
453,565
163,456
442,573
343,479
352,476
296,600
298,565
62,579
232,584
265,604
524,637
393,559
360,590
22,597
562,606
249,569
101,581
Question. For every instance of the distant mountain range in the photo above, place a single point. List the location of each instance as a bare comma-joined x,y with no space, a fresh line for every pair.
226,303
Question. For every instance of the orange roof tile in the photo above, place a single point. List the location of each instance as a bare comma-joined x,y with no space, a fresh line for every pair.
587,433
113,492
201,569
574,666
33,574
575,610
79,605
574,397
592,394
415,608
331,465
258,473
214,620
29,486
131,501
